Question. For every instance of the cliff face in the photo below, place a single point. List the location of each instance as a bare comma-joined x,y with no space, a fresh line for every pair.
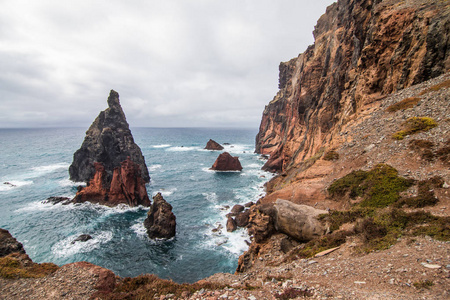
108,141
363,51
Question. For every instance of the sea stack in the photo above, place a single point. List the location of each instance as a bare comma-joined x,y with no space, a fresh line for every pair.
213,145
110,162
226,162
160,221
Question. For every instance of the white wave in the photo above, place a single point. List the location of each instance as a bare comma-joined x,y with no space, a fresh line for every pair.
238,148
211,197
232,242
162,146
68,182
12,184
50,168
154,167
182,149
65,248
253,166
139,229
208,170
165,192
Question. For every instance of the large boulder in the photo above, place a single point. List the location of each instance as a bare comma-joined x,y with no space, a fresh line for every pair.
213,145
160,222
298,221
108,141
8,244
226,162
109,161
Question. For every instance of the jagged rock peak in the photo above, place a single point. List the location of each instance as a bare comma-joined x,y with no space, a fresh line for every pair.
213,145
226,162
108,141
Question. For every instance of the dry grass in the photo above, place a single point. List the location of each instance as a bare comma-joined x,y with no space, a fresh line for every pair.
437,87
404,104
18,265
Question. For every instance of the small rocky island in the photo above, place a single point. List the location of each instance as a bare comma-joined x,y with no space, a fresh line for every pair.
213,145
160,222
226,162
110,162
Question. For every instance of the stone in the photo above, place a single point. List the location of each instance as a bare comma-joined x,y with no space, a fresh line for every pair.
110,162
298,221
226,162
8,244
248,204
242,218
431,266
160,222
56,200
82,238
213,145
237,209
231,224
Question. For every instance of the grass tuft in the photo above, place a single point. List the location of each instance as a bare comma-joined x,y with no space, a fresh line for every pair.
331,155
437,87
423,284
17,265
414,125
404,104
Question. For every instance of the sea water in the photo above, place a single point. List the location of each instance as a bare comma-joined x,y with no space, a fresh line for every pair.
34,166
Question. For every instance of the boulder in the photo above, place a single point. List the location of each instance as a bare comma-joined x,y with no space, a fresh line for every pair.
8,244
82,238
261,222
160,221
226,162
298,221
242,218
237,209
213,145
231,224
109,161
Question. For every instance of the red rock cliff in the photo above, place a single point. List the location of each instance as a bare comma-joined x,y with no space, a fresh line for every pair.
363,50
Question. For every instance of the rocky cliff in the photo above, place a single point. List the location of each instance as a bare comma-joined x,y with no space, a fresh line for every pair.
110,162
363,51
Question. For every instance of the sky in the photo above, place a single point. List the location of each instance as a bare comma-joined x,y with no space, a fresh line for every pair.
174,63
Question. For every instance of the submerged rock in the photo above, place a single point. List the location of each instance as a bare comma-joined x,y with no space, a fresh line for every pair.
109,161
160,222
56,200
226,162
82,238
213,145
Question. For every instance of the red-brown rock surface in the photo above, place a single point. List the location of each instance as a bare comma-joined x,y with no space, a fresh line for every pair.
127,187
213,145
363,51
226,162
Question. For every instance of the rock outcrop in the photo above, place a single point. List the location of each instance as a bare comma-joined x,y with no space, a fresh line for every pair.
160,222
226,162
8,244
298,221
110,162
213,145
363,51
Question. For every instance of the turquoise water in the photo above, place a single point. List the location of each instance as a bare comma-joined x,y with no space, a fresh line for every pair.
36,162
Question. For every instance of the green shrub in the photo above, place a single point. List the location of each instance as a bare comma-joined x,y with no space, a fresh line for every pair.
414,125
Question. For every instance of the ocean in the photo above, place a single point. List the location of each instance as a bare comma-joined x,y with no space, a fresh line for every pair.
34,166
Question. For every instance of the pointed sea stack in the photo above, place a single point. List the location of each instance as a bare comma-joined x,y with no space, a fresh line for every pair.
110,162
160,221
213,145
226,162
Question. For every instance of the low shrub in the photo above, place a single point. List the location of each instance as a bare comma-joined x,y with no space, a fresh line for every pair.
437,87
331,155
414,125
404,104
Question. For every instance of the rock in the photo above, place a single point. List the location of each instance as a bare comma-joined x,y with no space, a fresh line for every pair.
261,222
298,221
213,145
231,224
363,50
160,221
242,218
109,161
248,204
56,200
82,238
237,209
431,266
8,244
126,187
226,162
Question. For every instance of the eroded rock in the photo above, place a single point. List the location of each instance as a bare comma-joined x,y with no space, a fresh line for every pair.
226,162
160,222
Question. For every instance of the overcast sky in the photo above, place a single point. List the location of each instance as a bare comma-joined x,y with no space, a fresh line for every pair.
174,63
